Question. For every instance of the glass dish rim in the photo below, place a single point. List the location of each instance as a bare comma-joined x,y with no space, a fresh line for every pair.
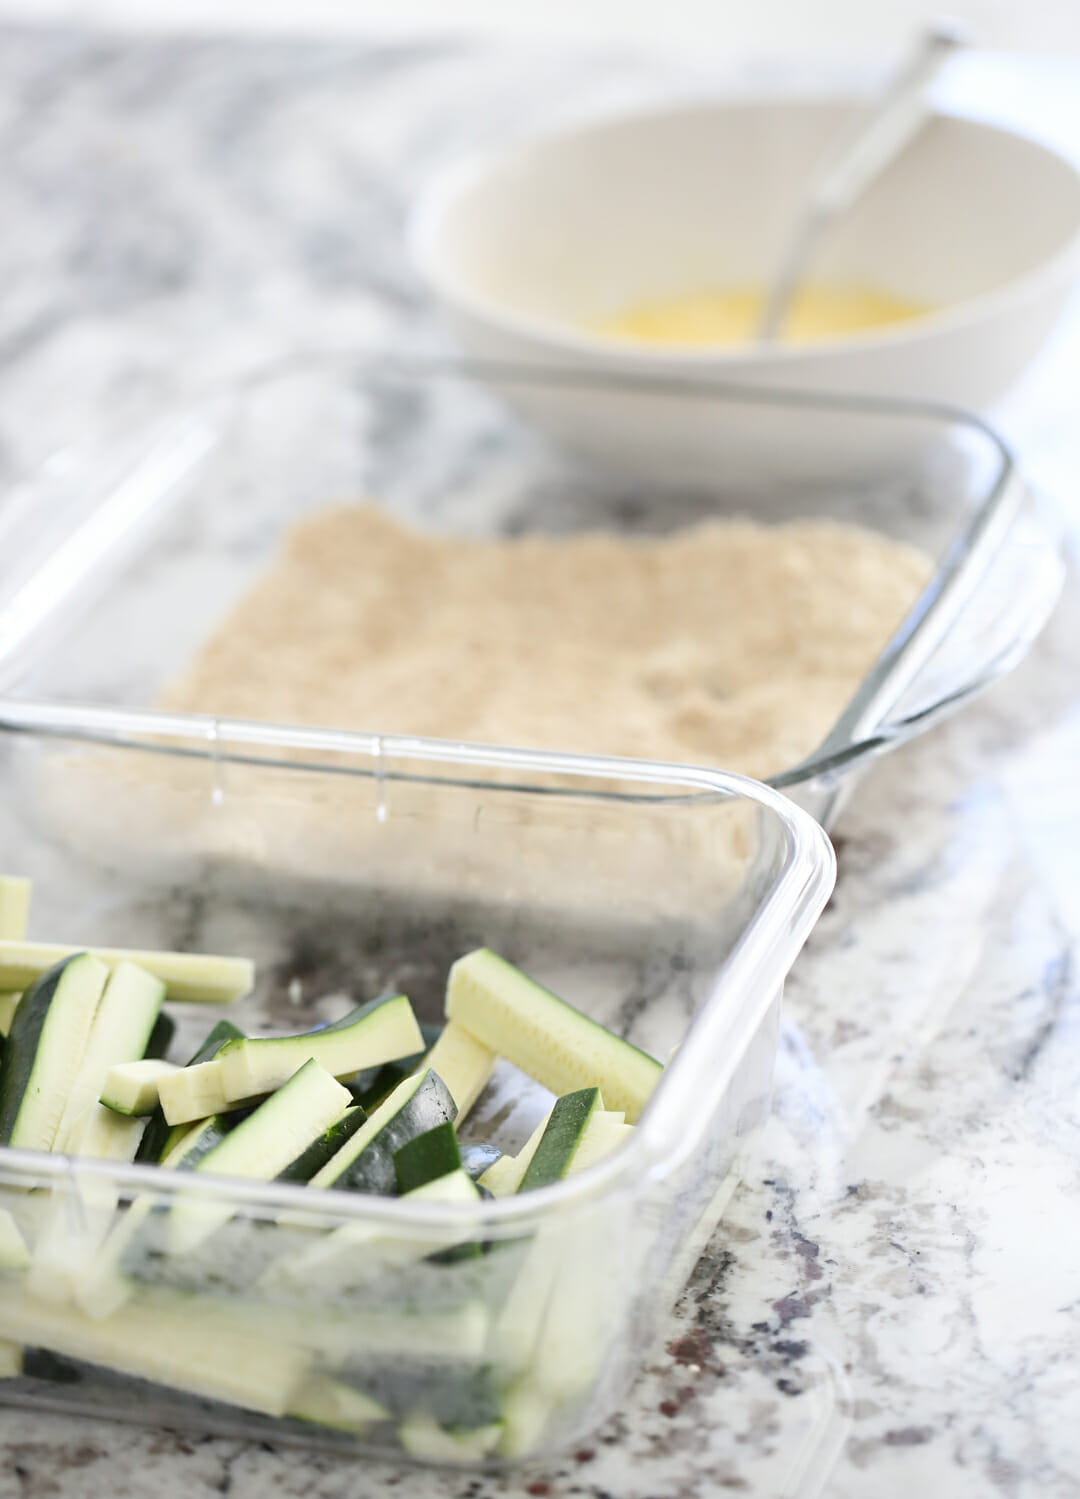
796,896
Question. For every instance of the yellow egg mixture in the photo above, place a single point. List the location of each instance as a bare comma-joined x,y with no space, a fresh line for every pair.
731,316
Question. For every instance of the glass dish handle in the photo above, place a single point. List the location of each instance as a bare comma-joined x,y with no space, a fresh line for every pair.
985,606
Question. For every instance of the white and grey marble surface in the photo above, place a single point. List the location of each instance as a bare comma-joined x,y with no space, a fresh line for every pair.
893,1304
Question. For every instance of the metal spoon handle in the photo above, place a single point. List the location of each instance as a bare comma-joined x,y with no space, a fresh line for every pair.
895,121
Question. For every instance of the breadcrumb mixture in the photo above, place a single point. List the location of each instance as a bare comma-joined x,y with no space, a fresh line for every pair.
727,644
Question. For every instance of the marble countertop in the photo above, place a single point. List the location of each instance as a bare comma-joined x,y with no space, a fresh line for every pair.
893,1303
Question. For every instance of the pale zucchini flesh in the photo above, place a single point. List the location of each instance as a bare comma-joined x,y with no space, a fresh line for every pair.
330,1403
455,1186
121,1028
192,1093
526,1413
557,1045
579,1325
463,1063
375,1033
102,1135
14,907
422,1436
518,1325
14,1254
156,1140
603,1135
181,1344
132,1087
8,1003
200,978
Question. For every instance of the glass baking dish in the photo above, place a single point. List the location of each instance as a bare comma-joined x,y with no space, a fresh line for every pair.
668,902
118,560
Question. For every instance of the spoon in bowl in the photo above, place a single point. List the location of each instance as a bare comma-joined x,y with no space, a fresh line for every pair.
892,124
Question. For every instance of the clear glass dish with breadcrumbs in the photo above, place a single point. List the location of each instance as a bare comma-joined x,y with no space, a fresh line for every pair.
904,568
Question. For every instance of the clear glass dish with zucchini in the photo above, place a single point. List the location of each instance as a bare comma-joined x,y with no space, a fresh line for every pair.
401,1149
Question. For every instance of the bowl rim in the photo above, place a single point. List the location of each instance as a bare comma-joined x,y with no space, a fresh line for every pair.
428,214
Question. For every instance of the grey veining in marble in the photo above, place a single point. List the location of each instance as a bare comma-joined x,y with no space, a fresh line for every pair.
893,1304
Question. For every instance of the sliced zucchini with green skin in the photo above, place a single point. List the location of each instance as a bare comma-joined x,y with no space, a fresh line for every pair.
161,1037
267,1141
8,1004
426,1157
463,1063
45,1049
175,1342
604,1131
14,907
374,1033
200,978
373,1085
422,1436
315,1156
547,1038
328,1402
366,1162
122,1025
155,1140
563,1133
132,1087
504,1177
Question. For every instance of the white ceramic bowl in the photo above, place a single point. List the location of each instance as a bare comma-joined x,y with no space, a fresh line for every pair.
529,247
